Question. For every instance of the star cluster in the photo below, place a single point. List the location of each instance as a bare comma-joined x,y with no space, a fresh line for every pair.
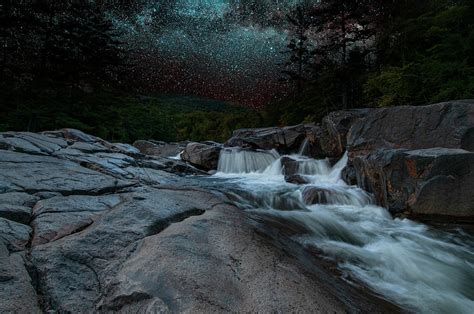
223,49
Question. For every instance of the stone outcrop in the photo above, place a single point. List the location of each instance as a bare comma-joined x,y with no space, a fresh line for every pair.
328,139
160,149
449,125
204,156
416,160
284,140
427,183
334,129
92,226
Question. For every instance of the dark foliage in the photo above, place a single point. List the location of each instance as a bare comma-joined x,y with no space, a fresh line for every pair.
371,53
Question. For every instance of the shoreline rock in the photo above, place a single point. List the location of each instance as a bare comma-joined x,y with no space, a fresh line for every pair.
91,226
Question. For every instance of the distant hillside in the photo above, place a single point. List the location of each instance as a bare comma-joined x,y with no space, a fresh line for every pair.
186,103
126,117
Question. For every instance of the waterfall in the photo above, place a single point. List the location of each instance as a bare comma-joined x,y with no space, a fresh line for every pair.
236,160
421,269
303,151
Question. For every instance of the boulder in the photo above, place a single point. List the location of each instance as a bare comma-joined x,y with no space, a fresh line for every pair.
284,140
159,149
334,129
434,183
311,145
203,156
316,195
449,124
297,179
290,166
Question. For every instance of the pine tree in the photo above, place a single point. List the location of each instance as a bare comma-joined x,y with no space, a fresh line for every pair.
297,68
345,31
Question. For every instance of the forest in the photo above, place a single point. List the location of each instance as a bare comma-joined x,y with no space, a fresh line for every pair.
66,64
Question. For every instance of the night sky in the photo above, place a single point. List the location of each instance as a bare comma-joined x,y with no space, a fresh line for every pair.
223,49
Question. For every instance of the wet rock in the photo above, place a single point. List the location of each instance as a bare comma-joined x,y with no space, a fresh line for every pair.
316,195
323,195
203,156
290,166
334,129
284,140
448,124
297,179
305,166
213,263
434,183
311,145
349,175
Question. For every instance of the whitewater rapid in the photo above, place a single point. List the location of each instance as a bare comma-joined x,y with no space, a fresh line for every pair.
418,267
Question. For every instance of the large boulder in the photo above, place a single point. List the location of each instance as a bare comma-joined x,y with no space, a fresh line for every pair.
334,129
160,149
284,140
449,124
427,183
203,156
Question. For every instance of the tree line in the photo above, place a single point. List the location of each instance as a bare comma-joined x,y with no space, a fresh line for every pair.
372,53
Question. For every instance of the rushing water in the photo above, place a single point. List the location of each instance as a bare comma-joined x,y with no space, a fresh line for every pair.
415,266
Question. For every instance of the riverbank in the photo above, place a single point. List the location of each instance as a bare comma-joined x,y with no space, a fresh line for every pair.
89,225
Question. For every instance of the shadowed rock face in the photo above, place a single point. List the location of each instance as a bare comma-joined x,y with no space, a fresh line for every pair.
426,183
449,125
202,155
284,140
87,226
327,139
335,127
416,160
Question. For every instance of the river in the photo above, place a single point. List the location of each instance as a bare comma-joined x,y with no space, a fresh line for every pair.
416,266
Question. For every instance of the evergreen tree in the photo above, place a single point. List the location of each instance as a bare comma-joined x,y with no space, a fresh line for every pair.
297,68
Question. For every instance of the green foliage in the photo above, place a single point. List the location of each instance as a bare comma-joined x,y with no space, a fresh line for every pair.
438,63
124,118
215,126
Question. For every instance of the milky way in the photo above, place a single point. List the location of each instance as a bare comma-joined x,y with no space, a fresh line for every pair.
223,49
